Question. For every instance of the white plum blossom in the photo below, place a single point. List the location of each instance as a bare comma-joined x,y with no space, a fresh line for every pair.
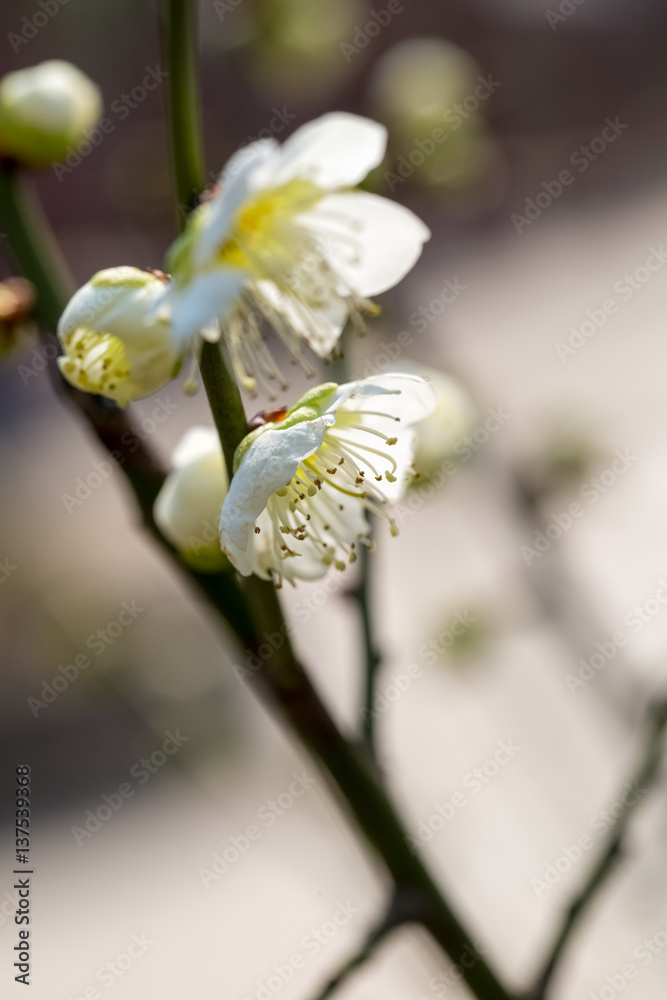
284,240
113,341
303,483
187,508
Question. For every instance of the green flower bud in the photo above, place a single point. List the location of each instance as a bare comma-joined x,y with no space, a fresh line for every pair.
44,110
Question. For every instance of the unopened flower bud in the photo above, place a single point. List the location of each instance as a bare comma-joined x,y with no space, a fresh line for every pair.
113,339
187,509
44,110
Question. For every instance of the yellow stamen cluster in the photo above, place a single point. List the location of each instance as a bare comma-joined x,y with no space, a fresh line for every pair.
95,362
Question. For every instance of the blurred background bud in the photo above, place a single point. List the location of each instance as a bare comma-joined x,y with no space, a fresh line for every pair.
297,47
453,417
44,110
431,94
187,510
17,297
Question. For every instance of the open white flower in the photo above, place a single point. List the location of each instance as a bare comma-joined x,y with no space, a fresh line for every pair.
113,341
283,240
187,508
302,485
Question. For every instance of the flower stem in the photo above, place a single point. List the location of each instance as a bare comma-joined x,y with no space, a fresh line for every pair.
225,401
32,246
179,43
179,39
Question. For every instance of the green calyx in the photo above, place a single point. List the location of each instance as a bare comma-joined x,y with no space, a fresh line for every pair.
311,406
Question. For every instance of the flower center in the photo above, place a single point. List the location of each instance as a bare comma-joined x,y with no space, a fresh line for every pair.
263,228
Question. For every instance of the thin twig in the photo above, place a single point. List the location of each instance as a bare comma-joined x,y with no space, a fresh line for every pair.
611,853
372,657
395,915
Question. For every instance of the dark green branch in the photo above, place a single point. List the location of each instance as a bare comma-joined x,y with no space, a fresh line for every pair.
179,46
225,401
282,681
179,34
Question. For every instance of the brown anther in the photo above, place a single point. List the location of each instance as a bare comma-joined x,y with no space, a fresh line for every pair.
257,530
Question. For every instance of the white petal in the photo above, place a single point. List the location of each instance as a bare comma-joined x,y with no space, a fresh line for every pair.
371,242
236,182
336,150
194,306
416,399
267,466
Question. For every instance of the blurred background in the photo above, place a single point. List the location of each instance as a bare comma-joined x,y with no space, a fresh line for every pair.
164,894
